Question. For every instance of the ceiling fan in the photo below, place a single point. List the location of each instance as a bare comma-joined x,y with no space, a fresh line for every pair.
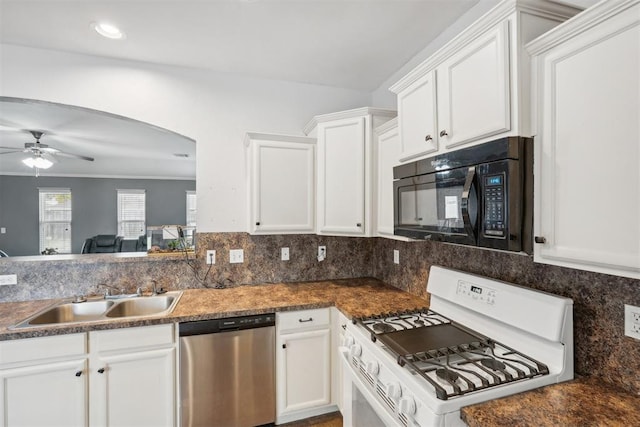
42,155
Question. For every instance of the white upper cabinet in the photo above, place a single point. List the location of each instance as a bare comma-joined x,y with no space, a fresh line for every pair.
281,184
587,160
473,89
345,172
418,121
476,87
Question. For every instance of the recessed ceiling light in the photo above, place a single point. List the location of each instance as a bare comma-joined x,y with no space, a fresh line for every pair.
107,30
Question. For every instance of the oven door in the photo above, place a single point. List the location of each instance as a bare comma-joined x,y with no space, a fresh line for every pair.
360,408
440,206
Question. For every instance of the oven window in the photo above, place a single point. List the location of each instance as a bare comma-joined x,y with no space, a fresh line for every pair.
363,413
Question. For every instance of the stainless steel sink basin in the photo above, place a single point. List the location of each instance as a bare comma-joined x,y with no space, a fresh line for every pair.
144,306
71,312
92,311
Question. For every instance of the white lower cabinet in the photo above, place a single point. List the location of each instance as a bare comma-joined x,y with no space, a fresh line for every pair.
43,381
133,377
303,364
121,377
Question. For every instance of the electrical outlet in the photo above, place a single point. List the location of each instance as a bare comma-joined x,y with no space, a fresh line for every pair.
632,321
284,254
8,279
236,256
322,253
396,256
211,257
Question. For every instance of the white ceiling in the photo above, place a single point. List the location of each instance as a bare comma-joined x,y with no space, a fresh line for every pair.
344,43
121,147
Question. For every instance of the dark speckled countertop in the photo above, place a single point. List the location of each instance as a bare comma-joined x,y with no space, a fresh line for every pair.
584,402
354,297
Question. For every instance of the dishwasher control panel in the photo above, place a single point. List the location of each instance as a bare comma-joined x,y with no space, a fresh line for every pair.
212,326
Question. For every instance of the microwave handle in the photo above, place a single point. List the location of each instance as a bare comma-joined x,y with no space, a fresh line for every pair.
464,202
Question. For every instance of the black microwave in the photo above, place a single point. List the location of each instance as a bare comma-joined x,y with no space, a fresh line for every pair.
480,196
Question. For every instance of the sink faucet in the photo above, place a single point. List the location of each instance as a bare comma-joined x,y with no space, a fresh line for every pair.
109,289
155,289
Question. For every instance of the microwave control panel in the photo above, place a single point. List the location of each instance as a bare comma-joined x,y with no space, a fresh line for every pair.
494,206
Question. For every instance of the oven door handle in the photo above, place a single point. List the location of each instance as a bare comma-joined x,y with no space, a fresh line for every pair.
465,200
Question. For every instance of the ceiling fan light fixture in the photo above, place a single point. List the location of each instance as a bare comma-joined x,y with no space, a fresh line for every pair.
37,162
108,30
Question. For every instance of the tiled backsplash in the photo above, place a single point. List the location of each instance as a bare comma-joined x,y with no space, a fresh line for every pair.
601,348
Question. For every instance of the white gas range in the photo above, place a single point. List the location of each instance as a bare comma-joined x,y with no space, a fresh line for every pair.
480,339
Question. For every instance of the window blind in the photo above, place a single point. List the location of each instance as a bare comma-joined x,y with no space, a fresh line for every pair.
55,219
131,213
191,209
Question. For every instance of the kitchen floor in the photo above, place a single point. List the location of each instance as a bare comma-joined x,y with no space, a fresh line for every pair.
333,419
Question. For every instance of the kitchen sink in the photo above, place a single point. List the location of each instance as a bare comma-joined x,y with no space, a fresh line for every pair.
71,312
144,306
100,310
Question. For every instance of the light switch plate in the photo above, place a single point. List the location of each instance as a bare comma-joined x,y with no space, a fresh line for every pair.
396,256
236,256
284,254
8,279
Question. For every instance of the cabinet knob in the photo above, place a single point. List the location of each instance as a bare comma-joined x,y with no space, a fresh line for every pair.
101,371
428,138
78,373
258,223
540,239
359,224
284,346
443,133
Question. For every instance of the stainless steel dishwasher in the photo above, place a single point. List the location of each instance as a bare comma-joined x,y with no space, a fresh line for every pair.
227,372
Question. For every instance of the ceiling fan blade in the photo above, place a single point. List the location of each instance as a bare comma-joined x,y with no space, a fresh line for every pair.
10,152
73,156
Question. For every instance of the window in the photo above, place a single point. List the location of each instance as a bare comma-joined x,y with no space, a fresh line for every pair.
55,219
191,209
131,213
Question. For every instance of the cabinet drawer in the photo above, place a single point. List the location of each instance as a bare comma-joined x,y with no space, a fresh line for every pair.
33,349
304,319
130,338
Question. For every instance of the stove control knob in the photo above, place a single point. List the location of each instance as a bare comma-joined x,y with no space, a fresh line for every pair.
393,390
373,367
355,350
348,341
407,406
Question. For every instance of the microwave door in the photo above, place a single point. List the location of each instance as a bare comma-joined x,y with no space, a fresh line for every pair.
439,206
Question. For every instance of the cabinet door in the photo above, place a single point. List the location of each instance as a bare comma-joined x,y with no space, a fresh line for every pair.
134,389
282,188
587,201
388,152
303,375
473,90
49,394
417,118
341,169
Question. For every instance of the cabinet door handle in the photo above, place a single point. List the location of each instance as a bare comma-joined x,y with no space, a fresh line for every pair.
359,224
443,133
310,319
539,239
78,373
344,327
257,223
101,371
284,346
428,138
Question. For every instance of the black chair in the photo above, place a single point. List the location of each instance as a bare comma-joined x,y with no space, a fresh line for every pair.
102,243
